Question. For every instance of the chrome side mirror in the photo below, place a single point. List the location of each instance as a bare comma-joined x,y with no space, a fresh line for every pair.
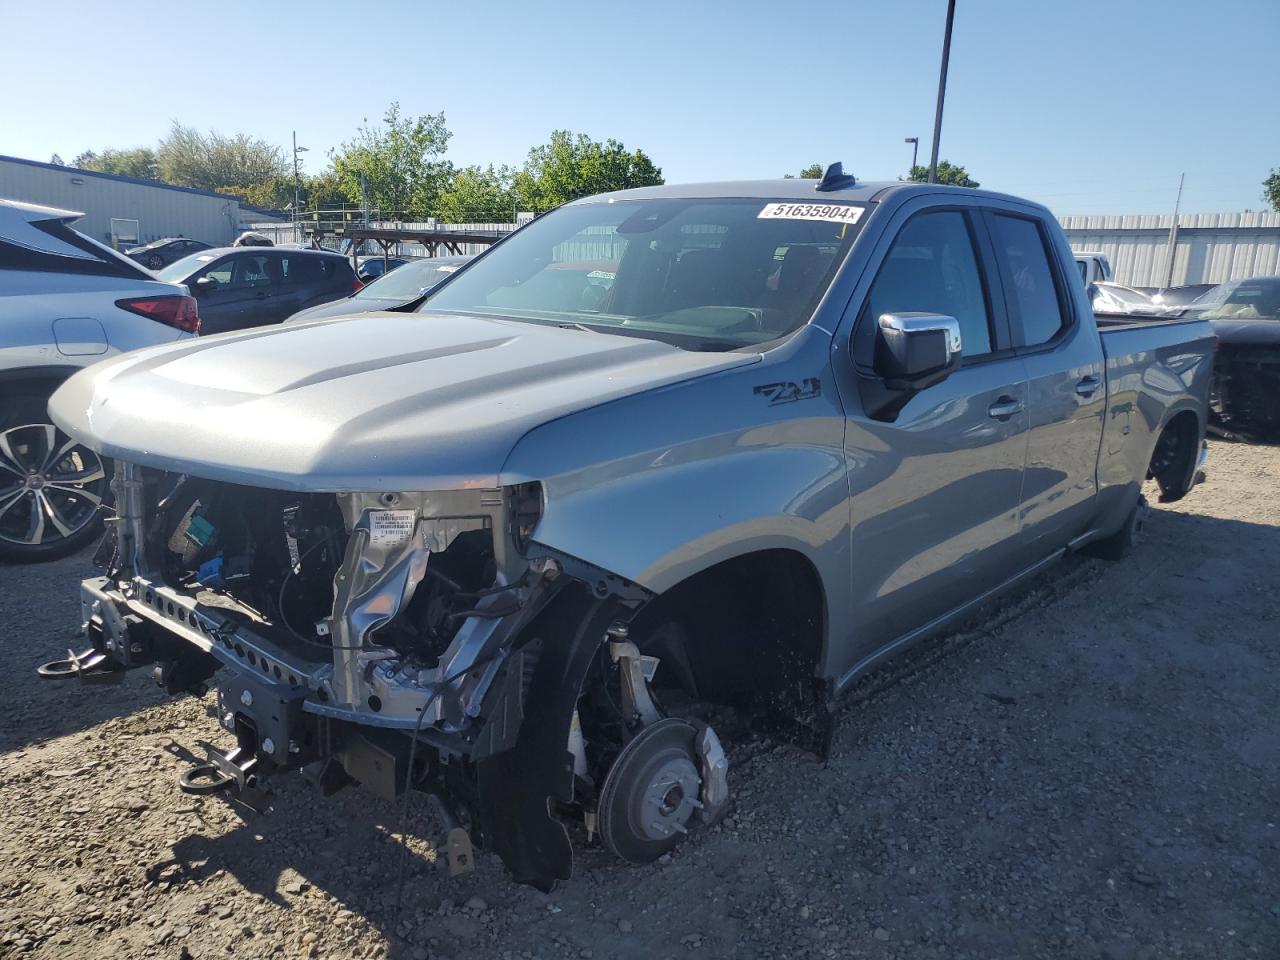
917,350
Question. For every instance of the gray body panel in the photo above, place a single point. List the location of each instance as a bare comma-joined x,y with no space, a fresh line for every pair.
657,463
380,402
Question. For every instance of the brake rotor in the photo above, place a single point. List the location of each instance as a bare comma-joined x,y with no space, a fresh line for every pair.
651,792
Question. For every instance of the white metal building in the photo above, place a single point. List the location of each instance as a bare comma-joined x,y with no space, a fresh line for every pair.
1209,247
125,211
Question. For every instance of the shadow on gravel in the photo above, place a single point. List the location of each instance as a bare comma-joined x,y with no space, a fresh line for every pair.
350,854
37,710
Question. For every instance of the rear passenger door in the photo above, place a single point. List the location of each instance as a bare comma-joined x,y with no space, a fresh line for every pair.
1066,387
315,279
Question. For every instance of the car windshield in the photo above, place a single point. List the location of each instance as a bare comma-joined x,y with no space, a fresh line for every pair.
1255,299
702,274
407,282
179,270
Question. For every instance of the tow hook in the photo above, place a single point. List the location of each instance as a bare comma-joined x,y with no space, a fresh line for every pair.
89,666
236,769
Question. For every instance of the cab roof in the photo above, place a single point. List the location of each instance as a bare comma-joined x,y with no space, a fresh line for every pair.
794,189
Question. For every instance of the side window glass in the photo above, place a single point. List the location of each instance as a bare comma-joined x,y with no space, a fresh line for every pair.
1035,307
932,268
251,271
221,272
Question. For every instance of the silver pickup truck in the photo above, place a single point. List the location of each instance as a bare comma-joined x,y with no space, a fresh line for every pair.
734,443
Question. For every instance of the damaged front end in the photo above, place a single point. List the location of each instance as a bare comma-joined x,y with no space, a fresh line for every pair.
402,641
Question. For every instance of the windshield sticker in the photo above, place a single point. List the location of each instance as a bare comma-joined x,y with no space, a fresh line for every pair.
829,212
391,528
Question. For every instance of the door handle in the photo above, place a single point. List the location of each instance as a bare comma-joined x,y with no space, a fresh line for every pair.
260,296
1088,386
1004,408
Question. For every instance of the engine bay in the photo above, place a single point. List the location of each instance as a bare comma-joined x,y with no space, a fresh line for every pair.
272,558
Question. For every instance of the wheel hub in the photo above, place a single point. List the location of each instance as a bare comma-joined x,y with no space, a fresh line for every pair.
651,792
669,801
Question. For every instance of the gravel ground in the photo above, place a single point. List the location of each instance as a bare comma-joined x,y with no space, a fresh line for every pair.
1089,772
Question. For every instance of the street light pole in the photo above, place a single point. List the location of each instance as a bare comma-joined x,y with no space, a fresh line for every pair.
915,152
942,91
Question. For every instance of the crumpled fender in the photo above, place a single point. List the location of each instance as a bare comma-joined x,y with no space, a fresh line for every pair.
520,787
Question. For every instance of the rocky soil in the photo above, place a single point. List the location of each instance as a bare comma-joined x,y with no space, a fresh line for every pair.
1089,772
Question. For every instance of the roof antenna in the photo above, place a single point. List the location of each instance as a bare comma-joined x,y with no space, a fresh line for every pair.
835,179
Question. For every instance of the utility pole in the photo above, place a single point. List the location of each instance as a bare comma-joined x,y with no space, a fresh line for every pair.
1173,232
942,91
915,152
296,150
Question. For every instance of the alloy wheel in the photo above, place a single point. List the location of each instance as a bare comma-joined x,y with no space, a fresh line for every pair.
51,486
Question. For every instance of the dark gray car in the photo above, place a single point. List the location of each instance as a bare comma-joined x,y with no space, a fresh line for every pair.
160,253
401,289
239,287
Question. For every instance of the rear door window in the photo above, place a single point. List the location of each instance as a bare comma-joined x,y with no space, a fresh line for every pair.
1032,294
308,270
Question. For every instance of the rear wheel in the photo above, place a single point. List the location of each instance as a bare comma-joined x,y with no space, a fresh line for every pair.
52,488
1121,543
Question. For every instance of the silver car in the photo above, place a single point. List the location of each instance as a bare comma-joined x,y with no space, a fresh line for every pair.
729,443
66,302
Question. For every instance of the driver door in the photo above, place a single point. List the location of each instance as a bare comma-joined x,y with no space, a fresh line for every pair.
935,492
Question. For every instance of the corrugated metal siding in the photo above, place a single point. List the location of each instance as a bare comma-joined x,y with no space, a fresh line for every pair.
160,212
1211,247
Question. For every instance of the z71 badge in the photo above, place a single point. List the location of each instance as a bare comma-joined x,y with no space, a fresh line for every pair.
788,391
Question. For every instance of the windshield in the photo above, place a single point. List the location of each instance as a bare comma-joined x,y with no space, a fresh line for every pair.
179,270
1256,299
407,282
702,274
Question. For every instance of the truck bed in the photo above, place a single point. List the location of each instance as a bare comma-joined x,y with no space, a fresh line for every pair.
1108,322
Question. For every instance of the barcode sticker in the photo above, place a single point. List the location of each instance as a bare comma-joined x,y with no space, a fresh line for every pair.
391,528
829,212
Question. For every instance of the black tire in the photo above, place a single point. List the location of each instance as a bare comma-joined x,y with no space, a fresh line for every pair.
155,261
52,490
1121,543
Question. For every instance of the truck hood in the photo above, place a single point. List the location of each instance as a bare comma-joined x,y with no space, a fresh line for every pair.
376,402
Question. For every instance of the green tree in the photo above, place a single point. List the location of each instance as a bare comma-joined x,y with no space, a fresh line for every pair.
570,166
1271,190
323,191
400,161
813,171
211,161
948,173
137,162
477,194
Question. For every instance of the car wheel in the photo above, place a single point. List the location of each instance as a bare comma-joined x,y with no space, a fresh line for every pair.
1121,543
52,488
155,261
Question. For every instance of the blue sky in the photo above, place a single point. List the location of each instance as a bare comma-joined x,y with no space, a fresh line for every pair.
1088,106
